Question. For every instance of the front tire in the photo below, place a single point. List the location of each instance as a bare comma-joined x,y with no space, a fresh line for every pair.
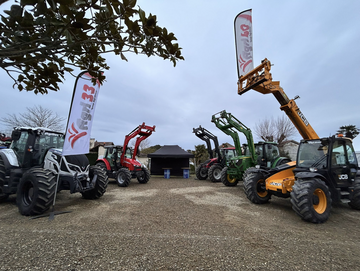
100,185
201,172
254,188
35,192
227,179
311,200
215,173
355,200
123,177
143,176
3,196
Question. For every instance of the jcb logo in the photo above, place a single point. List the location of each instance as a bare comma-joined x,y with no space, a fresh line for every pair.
343,177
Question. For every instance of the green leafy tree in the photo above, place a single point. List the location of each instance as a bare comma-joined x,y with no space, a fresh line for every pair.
201,154
349,131
150,149
41,40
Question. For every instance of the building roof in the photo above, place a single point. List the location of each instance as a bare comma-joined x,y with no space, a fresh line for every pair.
170,151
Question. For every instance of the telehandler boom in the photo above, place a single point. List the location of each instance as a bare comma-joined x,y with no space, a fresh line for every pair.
260,79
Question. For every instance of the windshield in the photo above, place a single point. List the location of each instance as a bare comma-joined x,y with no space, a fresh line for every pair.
50,140
312,153
229,153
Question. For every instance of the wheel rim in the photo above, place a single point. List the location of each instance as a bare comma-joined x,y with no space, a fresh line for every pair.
231,180
120,178
217,174
260,190
319,201
28,193
203,172
141,176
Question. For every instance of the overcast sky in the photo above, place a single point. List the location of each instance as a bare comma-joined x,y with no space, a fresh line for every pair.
313,46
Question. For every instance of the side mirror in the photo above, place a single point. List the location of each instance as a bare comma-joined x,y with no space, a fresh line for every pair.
15,135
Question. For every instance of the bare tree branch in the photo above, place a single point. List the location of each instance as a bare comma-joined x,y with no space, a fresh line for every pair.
36,116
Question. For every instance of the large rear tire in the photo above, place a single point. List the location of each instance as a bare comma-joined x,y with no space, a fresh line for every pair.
311,200
35,192
254,188
123,177
215,173
201,172
100,185
143,176
227,179
3,196
355,200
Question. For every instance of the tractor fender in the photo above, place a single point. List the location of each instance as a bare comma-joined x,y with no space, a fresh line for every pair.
9,158
256,170
309,175
105,161
212,162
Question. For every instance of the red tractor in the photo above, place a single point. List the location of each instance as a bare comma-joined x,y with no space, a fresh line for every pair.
120,161
212,167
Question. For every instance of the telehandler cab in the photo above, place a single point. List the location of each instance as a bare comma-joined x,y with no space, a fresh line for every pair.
120,162
33,168
264,154
212,167
326,170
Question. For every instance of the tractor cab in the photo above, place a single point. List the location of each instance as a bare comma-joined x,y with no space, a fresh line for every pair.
268,155
30,145
334,158
228,153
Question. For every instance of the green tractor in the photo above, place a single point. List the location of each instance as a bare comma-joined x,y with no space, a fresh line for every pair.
264,154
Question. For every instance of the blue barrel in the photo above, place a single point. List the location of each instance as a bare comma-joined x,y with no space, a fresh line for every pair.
186,173
167,173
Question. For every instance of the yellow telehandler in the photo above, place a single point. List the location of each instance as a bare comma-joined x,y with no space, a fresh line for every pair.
325,171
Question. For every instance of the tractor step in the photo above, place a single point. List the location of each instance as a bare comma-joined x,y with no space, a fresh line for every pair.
344,196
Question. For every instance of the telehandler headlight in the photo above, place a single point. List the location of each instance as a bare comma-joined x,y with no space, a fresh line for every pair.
313,169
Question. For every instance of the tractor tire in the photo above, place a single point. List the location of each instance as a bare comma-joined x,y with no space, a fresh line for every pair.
215,173
123,177
311,200
3,196
226,179
201,172
100,185
254,188
355,200
144,176
36,191
101,165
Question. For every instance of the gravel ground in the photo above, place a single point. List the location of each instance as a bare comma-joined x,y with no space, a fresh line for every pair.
177,224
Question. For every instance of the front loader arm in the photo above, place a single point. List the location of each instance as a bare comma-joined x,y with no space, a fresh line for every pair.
260,79
227,122
143,131
206,135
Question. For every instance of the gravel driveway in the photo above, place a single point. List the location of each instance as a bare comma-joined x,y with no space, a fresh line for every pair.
177,224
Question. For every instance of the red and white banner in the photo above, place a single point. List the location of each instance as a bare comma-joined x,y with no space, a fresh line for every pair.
244,42
77,137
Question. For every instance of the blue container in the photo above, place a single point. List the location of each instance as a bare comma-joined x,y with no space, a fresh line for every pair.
186,173
167,173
